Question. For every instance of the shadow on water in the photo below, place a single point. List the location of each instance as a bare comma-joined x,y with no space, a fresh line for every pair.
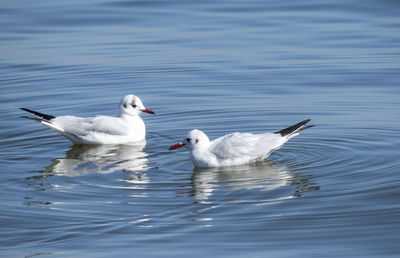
80,169
84,159
265,176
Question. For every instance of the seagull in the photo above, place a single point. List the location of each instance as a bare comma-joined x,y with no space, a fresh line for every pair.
127,127
236,148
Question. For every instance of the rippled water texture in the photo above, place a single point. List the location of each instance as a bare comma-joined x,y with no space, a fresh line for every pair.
219,66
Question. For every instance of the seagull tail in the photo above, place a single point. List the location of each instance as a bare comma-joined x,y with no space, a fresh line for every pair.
294,130
41,115
45,119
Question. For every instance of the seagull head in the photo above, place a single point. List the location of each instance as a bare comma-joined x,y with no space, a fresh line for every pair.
133,106
195,140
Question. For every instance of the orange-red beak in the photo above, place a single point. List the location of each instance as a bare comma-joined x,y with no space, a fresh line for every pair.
146,110
176,146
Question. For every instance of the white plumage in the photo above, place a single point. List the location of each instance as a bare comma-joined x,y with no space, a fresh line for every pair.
236,148
127,127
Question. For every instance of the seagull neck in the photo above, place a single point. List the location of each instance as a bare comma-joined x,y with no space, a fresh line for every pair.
200,150
130,118
202,157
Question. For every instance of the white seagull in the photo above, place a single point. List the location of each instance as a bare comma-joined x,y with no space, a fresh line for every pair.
236,148
127,127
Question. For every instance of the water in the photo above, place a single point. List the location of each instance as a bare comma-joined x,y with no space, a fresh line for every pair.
222,66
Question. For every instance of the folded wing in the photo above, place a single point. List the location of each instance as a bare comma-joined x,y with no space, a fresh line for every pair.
246,146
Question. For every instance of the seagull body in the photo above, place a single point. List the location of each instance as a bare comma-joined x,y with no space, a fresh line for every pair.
127,127
236,148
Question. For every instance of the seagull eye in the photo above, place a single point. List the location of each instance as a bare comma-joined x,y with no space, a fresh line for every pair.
124,105
133,105
197,140
188,139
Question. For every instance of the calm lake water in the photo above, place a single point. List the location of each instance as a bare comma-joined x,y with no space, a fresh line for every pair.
219,66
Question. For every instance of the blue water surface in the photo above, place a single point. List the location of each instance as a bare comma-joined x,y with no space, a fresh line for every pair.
219,66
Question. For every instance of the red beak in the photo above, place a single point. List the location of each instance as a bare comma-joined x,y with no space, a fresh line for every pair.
146,110
176,146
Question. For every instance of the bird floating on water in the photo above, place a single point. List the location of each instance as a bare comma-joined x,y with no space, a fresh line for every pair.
127,127
236,148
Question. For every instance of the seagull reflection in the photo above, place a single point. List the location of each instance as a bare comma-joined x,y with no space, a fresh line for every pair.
82,159
87,159
261,175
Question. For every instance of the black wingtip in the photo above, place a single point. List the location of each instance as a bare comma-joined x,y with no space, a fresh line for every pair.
294,128
44,116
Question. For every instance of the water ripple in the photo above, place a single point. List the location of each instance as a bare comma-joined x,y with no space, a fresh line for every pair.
217,66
